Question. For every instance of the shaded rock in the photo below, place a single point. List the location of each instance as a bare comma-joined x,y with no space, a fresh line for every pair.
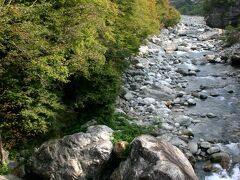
214,94
211,115
222,158
187,132
77,156
203,96
152,159
120,148
208,166
235,59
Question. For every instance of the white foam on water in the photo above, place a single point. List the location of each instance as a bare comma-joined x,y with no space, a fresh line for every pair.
223,175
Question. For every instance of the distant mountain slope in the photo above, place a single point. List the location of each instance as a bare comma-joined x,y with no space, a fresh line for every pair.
189,7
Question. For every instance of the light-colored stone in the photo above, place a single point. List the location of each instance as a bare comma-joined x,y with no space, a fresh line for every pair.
193,147
152,159
213,150
205,145
149,101
77,156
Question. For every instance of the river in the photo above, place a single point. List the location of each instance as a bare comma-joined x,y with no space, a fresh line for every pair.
179,82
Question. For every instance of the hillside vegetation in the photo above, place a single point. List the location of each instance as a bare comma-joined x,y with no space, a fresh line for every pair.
189,7
61,60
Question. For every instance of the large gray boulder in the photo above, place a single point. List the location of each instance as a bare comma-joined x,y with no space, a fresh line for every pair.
78,156
153,159
224,15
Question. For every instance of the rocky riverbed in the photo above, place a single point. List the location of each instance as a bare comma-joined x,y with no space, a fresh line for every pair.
183,85
181,82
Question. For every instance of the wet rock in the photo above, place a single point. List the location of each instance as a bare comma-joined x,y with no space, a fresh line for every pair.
203,96
205,145
211,115
152,159
222,158
214,94
213,150
208,166
193,147
181,94
77,156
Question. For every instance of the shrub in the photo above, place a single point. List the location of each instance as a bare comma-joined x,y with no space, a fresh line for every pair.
169,16
61,61
4,170
232,35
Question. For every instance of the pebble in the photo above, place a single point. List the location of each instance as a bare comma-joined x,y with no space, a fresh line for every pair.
193,147
211,115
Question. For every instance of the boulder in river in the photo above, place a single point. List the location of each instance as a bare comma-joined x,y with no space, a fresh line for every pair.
77,156
153,159
222,158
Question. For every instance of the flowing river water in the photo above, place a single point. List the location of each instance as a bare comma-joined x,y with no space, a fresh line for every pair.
179,76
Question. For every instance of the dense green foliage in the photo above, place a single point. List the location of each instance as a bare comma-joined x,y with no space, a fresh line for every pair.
4,169
61,61
209,5
232,35
188,7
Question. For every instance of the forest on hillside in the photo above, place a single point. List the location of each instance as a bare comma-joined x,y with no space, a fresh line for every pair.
61,61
